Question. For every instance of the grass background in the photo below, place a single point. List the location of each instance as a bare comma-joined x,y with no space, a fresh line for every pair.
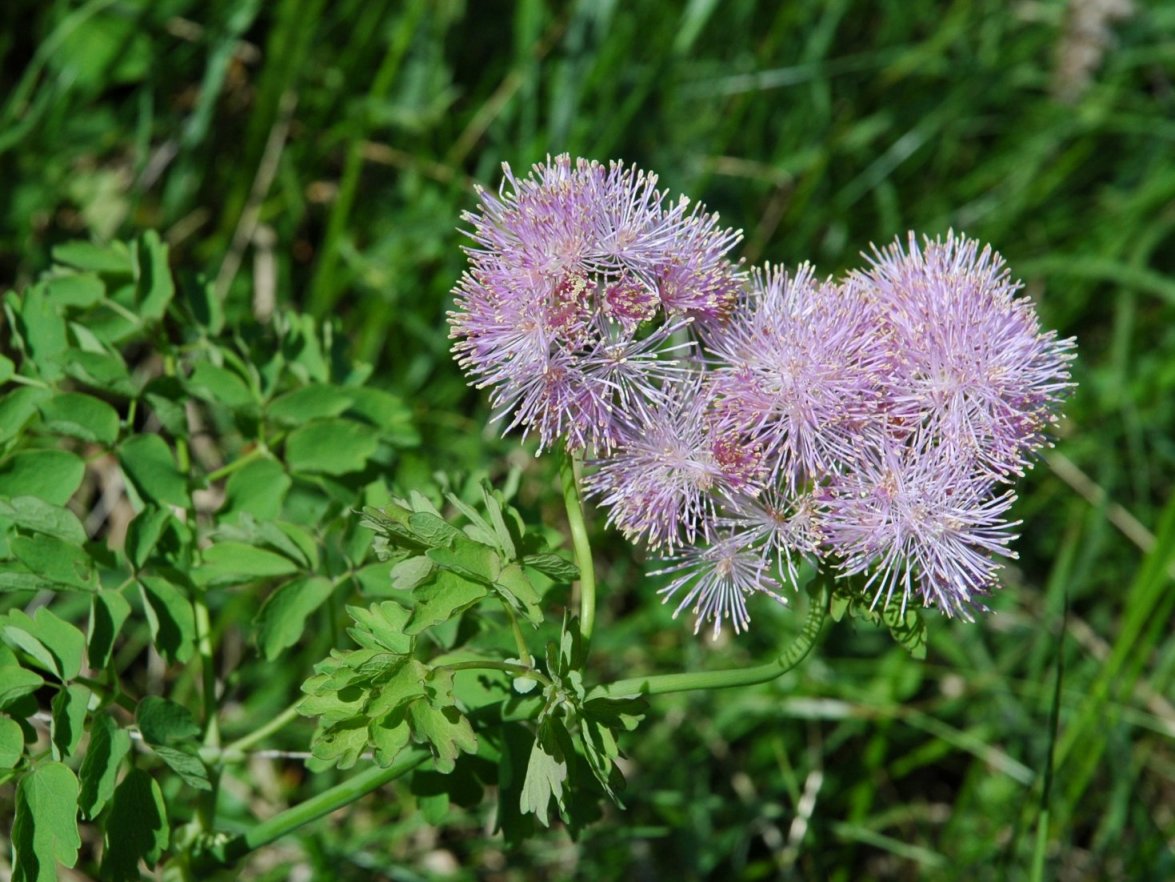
319,154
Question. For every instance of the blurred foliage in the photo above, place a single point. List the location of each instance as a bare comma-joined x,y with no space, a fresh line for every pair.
312,155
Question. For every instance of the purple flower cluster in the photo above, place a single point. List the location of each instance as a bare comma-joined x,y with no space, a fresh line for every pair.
569,271
739,422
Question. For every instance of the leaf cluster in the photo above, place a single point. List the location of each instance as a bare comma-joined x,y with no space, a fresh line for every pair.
158,464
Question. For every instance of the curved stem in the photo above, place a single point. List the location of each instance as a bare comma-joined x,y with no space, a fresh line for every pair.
314,808
493,665
264,731
570,473
792,656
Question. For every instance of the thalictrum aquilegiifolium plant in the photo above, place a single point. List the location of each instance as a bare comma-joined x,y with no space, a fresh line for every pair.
849,443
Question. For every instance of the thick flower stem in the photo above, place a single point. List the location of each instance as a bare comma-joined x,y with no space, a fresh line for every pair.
792,656
303,813
572,499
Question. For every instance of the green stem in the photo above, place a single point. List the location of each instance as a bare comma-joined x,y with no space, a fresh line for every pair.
314,808
206,809
519,639
238,464
490,665
207,671
264,731
792,656
573,501
183,455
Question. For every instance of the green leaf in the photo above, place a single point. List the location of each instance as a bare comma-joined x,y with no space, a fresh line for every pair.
478,529
17,577
137,828
908,628
108,611
45,831
513,583
552,566
69,718
143,533
293,541
101,370
330,704
147,462
235,563
331,447
839,606
43,329
155,288
467,558
446,732
52,475
493,505
169,614
11,743
387,412
109,745
438,600
81,416
59,563
34,513
17,682
411,572
316,401
167,397
205,306
381,627
81,290
389,736
546,772
171,730
186,763
7,368
164,722
259,489
341,743
17,408
282,618
55,643
220,386
432,529
405,685
113,259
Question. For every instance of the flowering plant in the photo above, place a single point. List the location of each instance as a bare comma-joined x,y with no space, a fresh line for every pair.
741,421
760,429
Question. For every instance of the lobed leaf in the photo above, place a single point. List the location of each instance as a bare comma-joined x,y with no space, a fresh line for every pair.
45,829
69,707
109,745
136,830
444,730
441,598
170,617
